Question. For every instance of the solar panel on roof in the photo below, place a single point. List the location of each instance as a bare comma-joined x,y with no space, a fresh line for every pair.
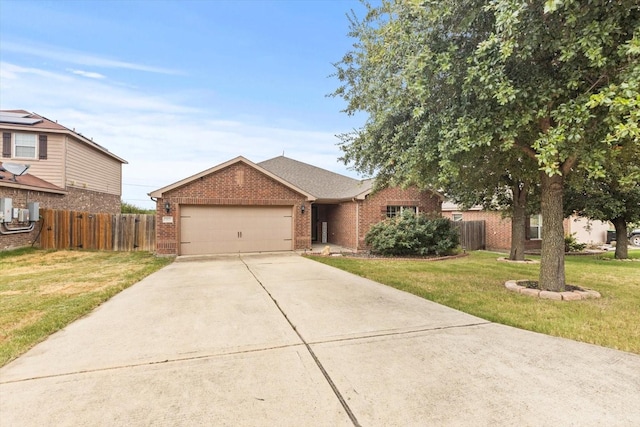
4,118
13,114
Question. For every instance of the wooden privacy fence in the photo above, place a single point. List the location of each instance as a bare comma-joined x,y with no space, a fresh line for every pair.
84,230
472,234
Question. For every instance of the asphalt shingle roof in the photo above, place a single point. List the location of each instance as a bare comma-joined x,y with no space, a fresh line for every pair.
323,184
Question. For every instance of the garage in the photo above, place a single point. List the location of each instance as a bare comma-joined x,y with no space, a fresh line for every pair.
232,229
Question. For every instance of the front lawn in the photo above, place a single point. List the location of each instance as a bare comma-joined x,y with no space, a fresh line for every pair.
43,291
475,285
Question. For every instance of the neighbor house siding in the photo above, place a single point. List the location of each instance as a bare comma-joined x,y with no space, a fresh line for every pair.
239,185
51,169
89,169
591,232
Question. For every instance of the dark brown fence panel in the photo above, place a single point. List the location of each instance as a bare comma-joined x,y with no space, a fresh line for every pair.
472,234
83,230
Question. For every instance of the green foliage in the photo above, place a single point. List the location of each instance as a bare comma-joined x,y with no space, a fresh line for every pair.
133,209
572,245
411,234
459,93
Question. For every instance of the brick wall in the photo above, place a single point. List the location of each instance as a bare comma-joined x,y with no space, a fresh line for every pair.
239,185
341,224
498,229
75,199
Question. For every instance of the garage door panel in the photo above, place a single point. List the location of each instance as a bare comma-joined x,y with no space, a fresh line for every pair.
225,229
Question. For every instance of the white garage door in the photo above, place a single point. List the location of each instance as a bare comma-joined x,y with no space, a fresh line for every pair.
227,229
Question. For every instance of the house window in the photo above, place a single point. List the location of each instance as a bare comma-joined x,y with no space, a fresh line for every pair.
24,145
535,227
456,217
394,211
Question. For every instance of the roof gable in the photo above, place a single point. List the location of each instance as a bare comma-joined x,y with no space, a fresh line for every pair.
159,193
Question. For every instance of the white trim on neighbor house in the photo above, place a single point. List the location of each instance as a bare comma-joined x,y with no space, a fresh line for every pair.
24,141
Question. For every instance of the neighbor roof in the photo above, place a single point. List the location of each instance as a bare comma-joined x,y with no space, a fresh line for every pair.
24,120
27,182
323,184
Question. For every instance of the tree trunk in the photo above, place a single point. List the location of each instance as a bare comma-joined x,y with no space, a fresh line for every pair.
622,242
518,222
552,277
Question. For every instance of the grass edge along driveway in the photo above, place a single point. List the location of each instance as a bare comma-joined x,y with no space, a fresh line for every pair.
475,285
42,291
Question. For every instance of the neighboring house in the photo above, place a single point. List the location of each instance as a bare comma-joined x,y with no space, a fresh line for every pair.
498,228
67,171
277,205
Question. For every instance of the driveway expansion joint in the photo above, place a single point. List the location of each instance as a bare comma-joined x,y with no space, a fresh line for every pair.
324,372
150,363
372,334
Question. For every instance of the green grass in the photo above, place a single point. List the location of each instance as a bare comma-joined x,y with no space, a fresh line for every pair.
43,291
475,285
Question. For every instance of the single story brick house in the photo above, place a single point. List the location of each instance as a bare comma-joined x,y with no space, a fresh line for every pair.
279,204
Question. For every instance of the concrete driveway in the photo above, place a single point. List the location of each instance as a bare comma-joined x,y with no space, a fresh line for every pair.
279,340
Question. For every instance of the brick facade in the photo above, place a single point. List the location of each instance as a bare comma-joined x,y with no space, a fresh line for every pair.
349,222
76,199
236,185
341,224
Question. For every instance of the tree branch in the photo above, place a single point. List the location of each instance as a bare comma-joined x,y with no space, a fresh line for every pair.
568,164
530,152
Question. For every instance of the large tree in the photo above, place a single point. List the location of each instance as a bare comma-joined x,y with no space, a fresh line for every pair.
614,197
451,79
500,181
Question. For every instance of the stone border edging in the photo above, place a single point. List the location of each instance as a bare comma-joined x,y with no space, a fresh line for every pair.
576,295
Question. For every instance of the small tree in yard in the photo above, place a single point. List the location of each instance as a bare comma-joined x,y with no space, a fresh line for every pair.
411,234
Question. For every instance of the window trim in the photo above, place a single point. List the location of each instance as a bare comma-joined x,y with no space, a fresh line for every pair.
398,209
538,227
456,217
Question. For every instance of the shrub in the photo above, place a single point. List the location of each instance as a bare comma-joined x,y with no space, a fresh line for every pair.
411,234
572,245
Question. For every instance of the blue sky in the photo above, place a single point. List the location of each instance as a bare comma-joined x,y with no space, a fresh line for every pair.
177,87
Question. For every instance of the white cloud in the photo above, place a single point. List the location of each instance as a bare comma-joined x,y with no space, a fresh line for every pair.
163,140
88,74
79,58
